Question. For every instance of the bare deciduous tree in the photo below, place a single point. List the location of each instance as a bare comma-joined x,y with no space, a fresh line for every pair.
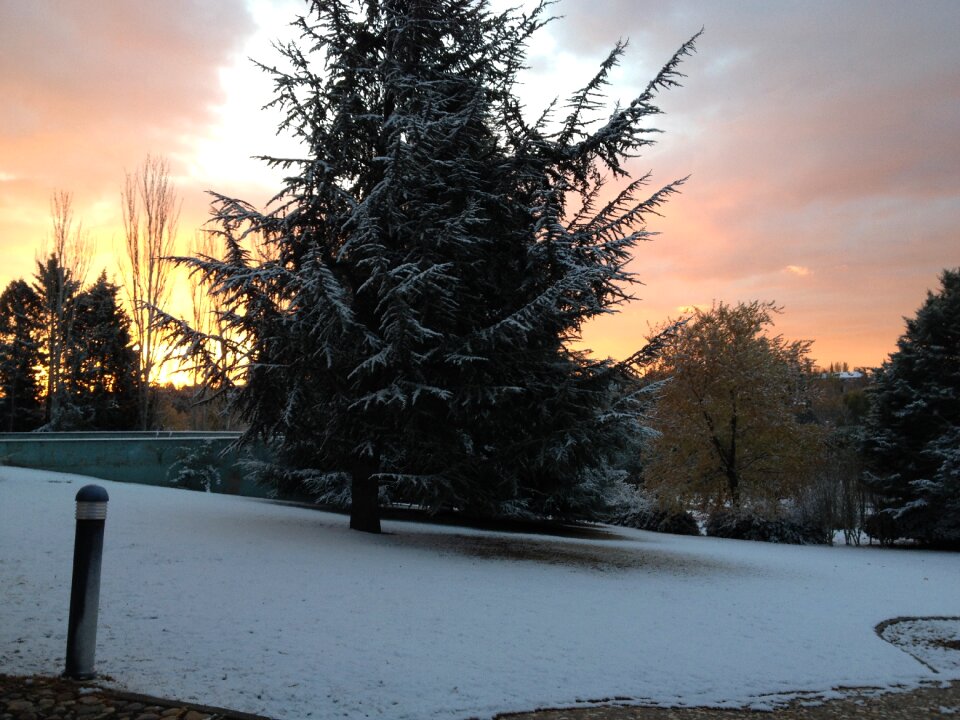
151,212
61,271
215,379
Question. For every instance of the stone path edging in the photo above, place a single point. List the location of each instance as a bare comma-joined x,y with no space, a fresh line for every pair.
54,698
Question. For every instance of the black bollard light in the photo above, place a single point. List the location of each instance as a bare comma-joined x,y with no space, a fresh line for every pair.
85,590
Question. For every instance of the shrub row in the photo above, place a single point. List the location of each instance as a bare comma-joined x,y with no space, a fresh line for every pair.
744,525
678,523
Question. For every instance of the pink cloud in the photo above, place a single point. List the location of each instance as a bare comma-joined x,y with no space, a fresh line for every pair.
90,85
818,135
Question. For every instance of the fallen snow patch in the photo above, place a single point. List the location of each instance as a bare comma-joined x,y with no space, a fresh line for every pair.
934,641
285,612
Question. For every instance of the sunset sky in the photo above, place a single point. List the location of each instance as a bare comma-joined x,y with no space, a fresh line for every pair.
822,140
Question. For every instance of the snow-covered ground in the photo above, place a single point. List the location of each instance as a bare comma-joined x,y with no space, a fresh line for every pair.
283,611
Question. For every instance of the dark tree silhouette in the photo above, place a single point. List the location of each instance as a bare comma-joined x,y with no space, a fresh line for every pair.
433,254
21,403
912,431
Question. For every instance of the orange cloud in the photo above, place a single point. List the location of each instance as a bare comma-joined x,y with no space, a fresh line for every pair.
89,89
817,135
812,142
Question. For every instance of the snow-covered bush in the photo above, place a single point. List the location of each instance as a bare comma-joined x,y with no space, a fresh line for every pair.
196,467
303,485
882,527
634,508
748,525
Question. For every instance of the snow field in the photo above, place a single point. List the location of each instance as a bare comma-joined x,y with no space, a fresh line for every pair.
285,612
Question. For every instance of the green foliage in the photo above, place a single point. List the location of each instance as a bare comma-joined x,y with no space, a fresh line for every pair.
912,438
856,404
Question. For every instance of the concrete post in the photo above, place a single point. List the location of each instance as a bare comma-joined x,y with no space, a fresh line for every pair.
85,590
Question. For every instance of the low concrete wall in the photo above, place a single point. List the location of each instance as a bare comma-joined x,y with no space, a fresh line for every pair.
137,457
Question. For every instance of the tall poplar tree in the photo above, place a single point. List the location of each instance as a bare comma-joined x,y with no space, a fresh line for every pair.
434,254
151,213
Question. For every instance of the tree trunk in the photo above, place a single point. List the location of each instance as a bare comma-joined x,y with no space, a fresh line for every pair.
733,485
144,401
12,405
733,474
365,499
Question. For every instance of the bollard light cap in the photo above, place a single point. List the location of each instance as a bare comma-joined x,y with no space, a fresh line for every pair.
92,503
92,494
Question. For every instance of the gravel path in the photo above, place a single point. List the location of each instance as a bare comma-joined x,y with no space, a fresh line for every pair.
47,698
925,702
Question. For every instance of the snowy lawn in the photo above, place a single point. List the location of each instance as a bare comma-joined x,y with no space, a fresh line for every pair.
283,611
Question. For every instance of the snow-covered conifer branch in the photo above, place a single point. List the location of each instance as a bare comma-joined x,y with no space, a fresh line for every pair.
408,327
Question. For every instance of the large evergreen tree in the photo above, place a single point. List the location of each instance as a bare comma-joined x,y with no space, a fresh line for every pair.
913,429
56,288
433,254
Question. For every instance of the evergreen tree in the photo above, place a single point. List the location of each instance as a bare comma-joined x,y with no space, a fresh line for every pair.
433,254
102,366
80,336
913,429
58,279
56,289
21,406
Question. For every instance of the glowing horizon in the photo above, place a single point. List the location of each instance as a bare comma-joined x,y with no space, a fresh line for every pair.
824,170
